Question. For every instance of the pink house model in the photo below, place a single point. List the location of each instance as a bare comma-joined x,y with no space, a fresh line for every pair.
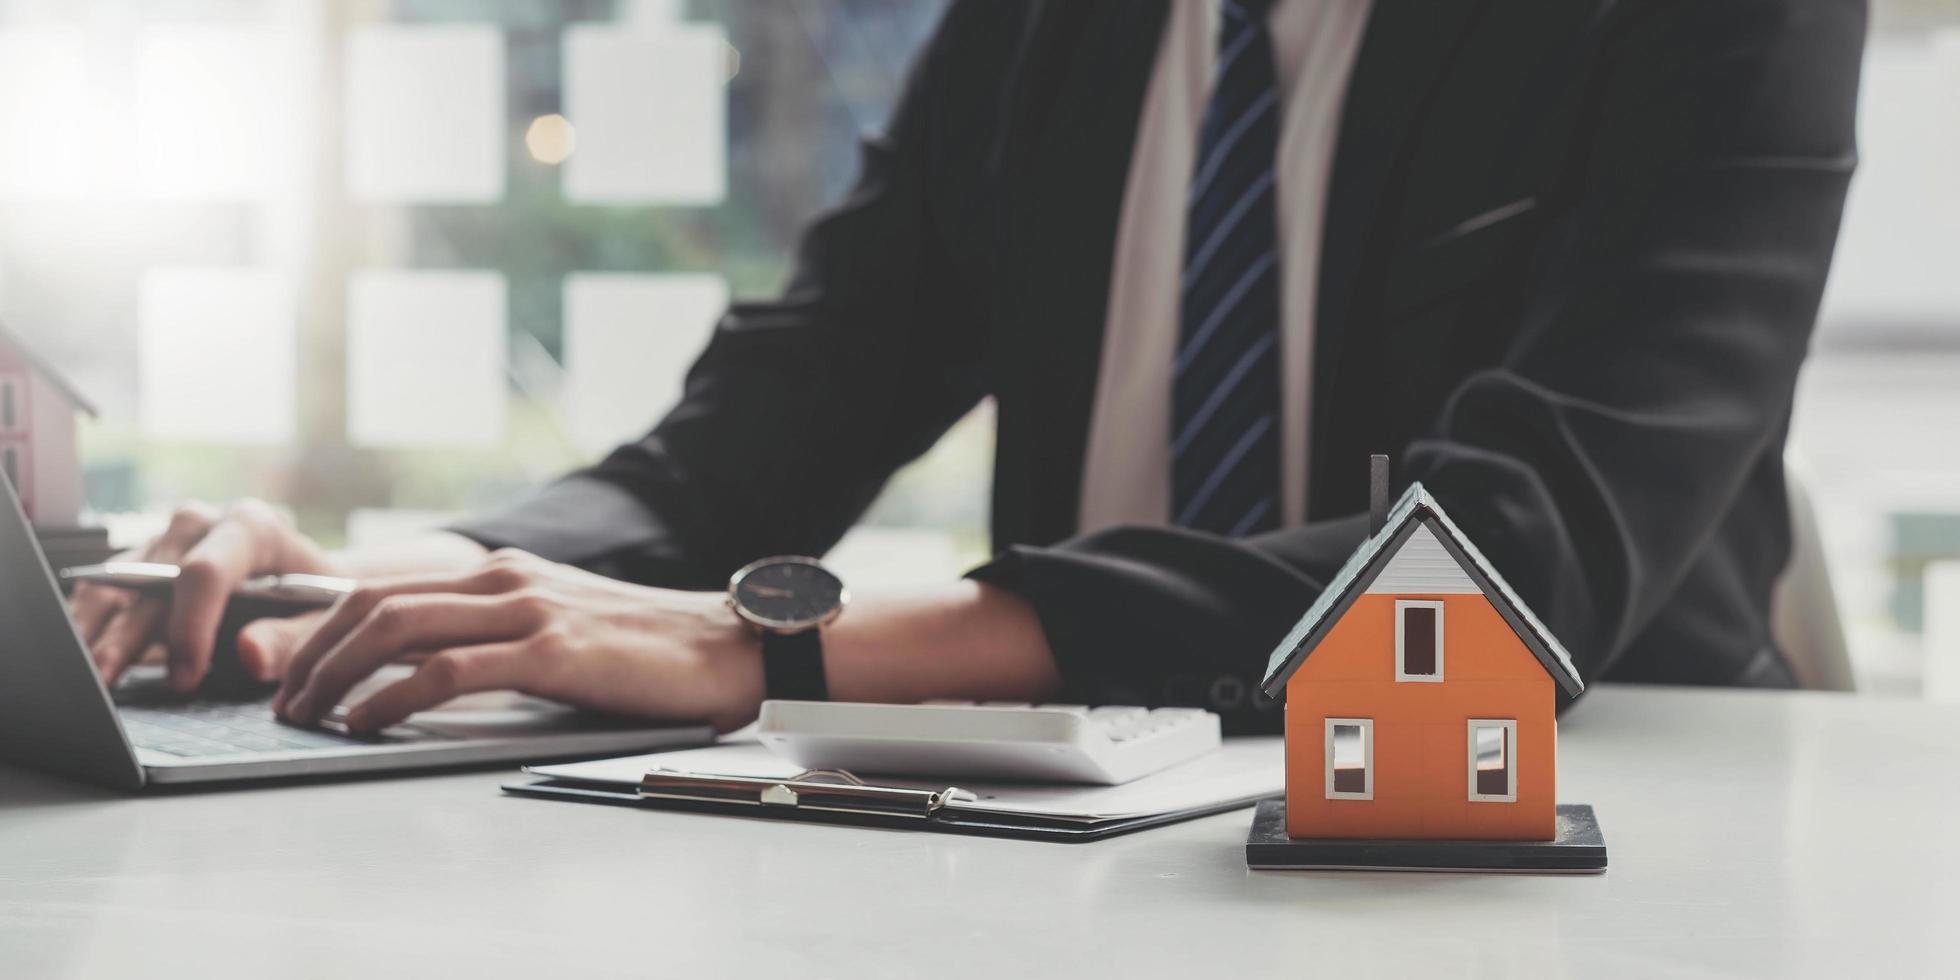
37,435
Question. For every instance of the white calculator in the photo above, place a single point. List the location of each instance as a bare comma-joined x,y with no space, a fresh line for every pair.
1066,743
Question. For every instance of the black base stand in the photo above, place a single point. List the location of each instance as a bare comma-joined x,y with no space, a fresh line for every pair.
1578,849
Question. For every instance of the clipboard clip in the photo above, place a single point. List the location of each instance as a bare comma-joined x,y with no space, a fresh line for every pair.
828,790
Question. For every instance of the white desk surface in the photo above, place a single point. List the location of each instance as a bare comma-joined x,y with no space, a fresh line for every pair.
1757,834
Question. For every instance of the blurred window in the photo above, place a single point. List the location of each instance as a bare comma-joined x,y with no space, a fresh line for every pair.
388,262
1884,370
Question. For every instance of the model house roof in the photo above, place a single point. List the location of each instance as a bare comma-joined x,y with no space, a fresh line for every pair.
12,341
1415,512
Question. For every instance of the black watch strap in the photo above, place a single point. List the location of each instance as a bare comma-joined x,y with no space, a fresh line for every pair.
792,666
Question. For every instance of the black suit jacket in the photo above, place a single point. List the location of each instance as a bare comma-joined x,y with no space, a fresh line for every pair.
1573,251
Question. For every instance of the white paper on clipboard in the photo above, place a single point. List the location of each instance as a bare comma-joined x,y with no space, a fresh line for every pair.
1242,770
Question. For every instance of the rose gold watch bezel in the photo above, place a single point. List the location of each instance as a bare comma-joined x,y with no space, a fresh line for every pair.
785,627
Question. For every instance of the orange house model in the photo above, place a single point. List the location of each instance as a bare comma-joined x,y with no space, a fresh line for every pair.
1420,694
38,411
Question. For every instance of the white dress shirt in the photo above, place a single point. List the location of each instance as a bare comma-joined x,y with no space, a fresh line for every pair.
1126,475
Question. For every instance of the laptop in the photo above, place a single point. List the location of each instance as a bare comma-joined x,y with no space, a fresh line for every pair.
55,714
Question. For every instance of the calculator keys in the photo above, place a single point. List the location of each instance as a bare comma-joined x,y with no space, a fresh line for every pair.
1008,741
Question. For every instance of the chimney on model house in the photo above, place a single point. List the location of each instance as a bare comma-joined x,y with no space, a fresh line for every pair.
1377,494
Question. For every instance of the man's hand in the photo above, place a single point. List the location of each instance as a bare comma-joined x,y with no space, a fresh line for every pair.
215,550
525,624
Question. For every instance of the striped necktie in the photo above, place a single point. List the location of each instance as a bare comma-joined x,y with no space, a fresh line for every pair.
1225,390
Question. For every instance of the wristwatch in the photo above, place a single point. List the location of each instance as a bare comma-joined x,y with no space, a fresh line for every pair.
789,599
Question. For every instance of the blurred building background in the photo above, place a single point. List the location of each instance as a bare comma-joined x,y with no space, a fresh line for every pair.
385,261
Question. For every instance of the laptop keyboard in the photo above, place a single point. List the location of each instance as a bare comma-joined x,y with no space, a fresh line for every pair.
222,728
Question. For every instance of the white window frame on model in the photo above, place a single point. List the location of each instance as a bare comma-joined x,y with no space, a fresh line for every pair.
1401,621
1510,729
1367,726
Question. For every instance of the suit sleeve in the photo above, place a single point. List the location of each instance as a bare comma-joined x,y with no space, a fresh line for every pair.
1655,363
800,408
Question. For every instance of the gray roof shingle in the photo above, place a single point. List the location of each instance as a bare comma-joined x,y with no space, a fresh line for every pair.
1416,508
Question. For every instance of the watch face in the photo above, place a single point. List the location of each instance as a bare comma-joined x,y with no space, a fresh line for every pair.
788,593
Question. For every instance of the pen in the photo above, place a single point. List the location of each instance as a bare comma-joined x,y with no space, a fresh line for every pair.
155,578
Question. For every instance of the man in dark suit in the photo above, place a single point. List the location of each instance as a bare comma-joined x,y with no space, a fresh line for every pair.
1561,258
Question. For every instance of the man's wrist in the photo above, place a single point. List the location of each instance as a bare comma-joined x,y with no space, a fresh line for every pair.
735,659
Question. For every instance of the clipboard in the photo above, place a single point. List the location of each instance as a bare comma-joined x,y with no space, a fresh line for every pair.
1225,780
